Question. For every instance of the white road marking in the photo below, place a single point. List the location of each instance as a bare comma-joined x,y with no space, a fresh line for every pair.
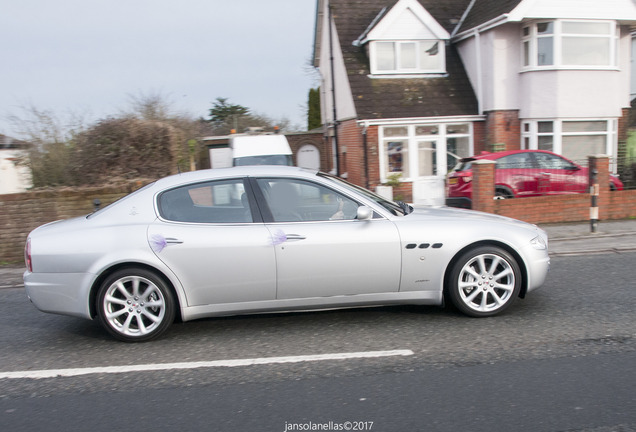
52,373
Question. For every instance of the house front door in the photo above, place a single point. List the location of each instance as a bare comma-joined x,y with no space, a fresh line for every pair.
428,181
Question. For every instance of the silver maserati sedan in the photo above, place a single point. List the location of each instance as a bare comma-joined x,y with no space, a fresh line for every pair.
263,238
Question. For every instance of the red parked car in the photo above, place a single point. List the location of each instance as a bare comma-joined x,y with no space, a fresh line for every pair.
522,173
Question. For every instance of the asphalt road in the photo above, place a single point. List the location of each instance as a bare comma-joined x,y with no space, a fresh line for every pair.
560,360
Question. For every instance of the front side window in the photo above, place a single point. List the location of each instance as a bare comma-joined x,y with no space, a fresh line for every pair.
294,200
223,201
552,162
570,44
406,57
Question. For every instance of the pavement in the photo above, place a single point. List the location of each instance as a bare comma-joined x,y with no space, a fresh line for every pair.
568,239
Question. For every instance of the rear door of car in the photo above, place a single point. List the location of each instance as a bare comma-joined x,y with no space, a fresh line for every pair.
321,248
211,235
516,172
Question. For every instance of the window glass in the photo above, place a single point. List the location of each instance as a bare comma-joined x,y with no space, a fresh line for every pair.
580,147
212,202
545,142
397,158
591,51
294,200
526,31
395,209
456,148
457,129
584,126
395,131
385,55
408,59
517,160
573,27
427,130
545,28
429,55
427,156
546,126
526,53
544,51
549,161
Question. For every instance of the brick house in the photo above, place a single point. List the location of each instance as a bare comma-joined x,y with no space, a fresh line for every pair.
421,83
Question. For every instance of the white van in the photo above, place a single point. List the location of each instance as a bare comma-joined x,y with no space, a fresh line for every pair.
260,150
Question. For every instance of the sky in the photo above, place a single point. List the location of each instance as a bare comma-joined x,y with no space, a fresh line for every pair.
90,55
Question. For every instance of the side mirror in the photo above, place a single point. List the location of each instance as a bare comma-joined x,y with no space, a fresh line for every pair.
364,213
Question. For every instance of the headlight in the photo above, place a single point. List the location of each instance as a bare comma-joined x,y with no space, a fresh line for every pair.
538,243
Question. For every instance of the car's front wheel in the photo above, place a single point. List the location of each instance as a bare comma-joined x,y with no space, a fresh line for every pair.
484,281
135,305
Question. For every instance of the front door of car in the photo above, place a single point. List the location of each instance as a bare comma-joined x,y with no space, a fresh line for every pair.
565,177
321,248
209,235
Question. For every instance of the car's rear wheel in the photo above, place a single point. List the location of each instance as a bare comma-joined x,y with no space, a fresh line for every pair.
484,281
135,305
501,193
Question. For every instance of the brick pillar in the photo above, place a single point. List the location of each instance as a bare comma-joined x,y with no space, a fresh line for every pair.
601,164
484,185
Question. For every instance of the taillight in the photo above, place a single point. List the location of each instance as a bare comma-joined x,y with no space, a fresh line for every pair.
27,256
467,179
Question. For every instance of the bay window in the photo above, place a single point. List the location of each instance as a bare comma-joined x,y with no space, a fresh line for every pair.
570,44
574,139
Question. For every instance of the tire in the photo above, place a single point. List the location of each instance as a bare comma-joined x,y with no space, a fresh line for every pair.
135,305
479,290
503,194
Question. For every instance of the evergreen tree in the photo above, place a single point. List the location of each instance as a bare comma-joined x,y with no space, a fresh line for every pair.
314,119
222,111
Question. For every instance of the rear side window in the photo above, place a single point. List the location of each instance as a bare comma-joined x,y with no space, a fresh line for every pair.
222,201
515,161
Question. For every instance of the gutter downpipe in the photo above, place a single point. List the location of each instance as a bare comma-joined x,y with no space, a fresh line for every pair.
366,157
333,92
480,91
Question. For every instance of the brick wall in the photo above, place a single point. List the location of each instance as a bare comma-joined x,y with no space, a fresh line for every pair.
555,208
479,137
22,212
503,126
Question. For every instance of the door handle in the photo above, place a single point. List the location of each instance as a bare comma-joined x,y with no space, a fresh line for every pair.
295,237
545,174
173,241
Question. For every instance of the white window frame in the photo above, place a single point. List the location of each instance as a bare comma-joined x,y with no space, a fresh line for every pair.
397,50
611,133
557,45
412,141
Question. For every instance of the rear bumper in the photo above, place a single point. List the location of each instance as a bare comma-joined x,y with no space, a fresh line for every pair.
459,202
59,293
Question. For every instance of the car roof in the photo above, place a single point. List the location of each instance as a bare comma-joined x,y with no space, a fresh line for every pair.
498,155
239,171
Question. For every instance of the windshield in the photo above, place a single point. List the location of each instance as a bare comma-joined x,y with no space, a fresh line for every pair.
394,208
280,159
